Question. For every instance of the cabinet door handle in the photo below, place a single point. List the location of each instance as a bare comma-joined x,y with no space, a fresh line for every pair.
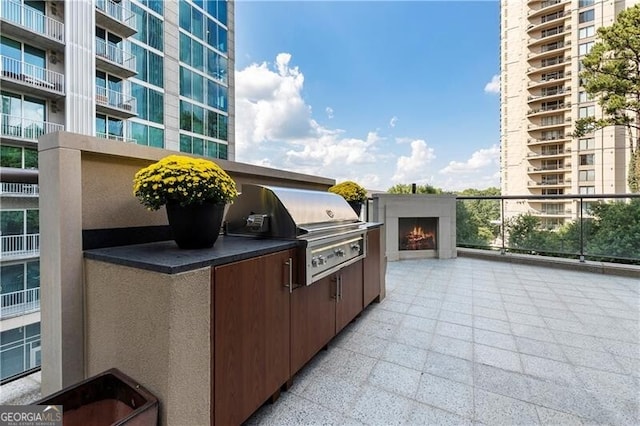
339,287
289,263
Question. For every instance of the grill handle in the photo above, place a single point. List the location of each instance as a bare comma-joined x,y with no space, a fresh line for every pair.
289,263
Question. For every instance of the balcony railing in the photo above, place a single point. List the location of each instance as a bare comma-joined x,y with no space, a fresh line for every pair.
549,108
24,128
19,189
20,245
19,302
117,12
31,75
31,19
115,54
582,232
115,137
115,99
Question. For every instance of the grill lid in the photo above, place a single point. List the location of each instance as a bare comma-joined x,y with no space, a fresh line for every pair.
287,212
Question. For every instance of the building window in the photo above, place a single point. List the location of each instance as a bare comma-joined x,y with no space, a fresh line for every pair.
585,3
586,32
150,28
20,350
586,16
583,96
21,279
146,135
18,157
587,111
109,127
18,53
587,159
585,48
587,190
553,191
19,222
587,143
22,116
587,175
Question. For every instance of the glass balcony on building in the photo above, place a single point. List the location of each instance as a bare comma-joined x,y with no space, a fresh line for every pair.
23,22
555,33
549,152
26,78
21,246
22,129
20,302
546,94
116,17
549,109
547,21
114,60
551,49
19,190
556,63
115,103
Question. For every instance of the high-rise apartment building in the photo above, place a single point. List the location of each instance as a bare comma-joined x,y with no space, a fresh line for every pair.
542,45
157,73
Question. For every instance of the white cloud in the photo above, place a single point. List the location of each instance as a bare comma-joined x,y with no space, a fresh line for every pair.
480,171
413,169
329,112
273,121
493,86
478,160
393,121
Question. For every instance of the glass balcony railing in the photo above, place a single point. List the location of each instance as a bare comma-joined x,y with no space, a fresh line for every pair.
114,137
117,11
587,227
114,99
19,302
23,245
32,20
19,189
24,128
115,55
30,75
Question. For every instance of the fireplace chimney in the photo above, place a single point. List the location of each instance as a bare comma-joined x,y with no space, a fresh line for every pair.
413,188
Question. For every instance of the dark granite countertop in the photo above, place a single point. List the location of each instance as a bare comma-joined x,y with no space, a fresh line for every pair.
165,256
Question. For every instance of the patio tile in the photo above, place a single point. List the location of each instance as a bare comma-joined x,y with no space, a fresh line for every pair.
491,338
563,314
379,407
500,381
454,347
294,410
501,358
413,337
386,316
375,328
394,306
548,416
332,392
405,355
616,347
535,320
456,317
364,344
529,308
479,311
577,340
494,409
630,365
395,378
349,365
422,414
491,324
399,297
593,359
454,330
559,372
566,399
423,311
532,332
449,367
427,302
419,323
540,349
446,394
488,303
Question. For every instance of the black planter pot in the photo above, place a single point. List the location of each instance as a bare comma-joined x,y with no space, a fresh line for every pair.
356,206
195,226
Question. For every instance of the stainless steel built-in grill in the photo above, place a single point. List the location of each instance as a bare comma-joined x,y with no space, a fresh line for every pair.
332,233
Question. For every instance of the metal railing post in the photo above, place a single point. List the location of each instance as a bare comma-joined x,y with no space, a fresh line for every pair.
581,232
502,250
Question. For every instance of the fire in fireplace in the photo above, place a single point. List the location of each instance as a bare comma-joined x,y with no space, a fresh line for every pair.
417,233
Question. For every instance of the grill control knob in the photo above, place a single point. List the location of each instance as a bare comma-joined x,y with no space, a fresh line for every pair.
321,260
339,252
355,246
314,262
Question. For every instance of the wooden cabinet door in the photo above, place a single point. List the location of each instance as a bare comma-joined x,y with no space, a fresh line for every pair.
251,334
371,267
350,301
313,320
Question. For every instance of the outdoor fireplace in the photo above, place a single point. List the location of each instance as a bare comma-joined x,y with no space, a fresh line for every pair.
417,233
417,225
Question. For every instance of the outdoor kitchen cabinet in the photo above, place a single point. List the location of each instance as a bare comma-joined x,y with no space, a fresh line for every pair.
320,310
371,267
251,320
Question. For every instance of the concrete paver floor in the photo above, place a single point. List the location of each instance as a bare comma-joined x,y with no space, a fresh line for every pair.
468,341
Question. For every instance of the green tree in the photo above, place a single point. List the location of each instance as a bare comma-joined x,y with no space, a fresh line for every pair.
468,228
616,230
525,233
403,188
484,212
611,75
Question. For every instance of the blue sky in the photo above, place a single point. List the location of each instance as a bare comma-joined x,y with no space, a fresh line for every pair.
373,91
